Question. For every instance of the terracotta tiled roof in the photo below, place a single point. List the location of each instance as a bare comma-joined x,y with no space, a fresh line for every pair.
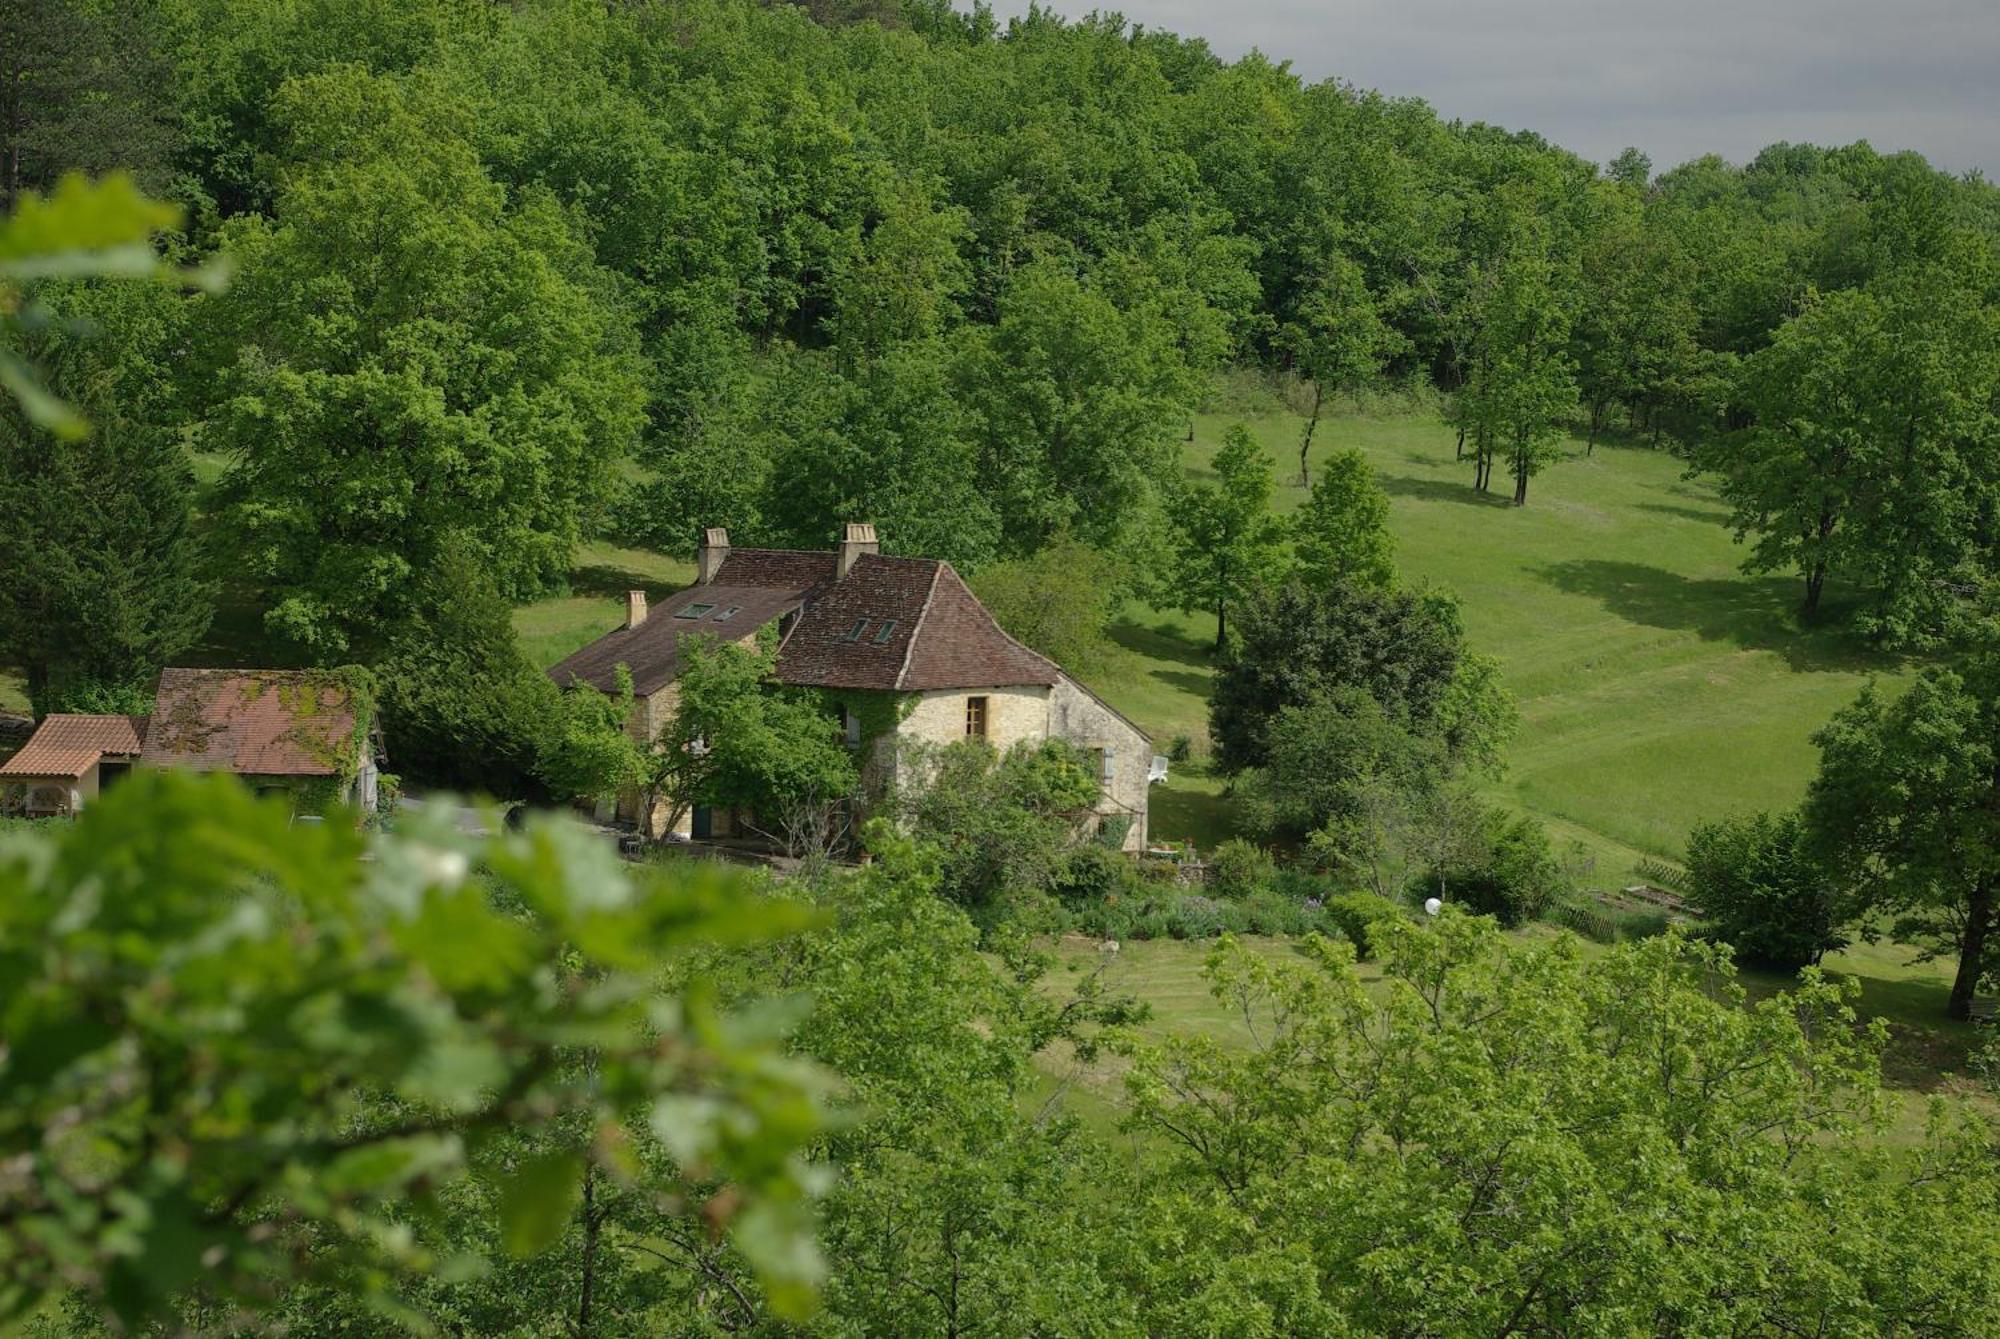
255,722
781,569
652,651
124,735
906,624
67,745
897,624
960,645
51,760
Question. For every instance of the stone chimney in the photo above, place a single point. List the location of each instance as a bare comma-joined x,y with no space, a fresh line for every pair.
856,538
708,558
635,608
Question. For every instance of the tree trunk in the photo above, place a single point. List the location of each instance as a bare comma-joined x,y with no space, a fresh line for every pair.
1461,445
1972,950
1521,484
1221,623
1596,423
593,1225
1815,580
1305,442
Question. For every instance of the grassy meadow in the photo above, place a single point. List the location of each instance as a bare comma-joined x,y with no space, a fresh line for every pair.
1658,684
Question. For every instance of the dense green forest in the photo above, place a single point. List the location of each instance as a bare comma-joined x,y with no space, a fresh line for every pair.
430,296
508,277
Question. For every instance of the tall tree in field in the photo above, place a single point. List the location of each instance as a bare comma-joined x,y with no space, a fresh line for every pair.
1907,801
410,360
1297,645
1932,388
1872,421
1079,396
1633,339
1225,539
1342,532
1335,338
1794,477
1528,378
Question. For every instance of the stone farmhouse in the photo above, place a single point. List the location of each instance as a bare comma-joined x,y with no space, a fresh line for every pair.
298,732
886,639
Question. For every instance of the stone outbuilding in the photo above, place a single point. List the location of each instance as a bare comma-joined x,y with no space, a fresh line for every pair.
902,643
304,733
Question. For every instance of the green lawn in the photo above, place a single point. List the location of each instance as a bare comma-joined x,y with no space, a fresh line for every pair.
1658,684
1926,1054
550,629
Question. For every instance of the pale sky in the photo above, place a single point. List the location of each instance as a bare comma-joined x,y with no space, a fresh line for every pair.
1677,78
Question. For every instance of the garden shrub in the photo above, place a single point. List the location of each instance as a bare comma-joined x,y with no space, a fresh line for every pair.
1198,917
1513,875
1091,875
1268,911
1760,889
1356,915
1239,868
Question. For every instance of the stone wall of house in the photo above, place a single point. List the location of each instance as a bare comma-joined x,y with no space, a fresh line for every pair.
649,716
1078,717
1012,715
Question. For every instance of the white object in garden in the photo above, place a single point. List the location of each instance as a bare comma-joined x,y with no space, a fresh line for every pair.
1432,906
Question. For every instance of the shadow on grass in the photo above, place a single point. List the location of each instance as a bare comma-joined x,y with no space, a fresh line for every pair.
603,580
1180,812
1717,515
1924,1046
1186,681
1754,613
1164,641
1441,490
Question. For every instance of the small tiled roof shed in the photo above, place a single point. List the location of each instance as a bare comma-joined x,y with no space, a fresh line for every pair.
65,746
253,722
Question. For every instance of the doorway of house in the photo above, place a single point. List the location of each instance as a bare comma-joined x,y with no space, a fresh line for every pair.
703,822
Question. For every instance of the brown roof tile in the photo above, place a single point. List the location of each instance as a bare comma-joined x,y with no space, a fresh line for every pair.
51,760
124,735
907,624
781,569
254,722
68,745
960,645
856,632
652,651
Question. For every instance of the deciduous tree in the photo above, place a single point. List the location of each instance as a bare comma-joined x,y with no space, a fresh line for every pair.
1907,805
1342,531
462,377
1225,540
